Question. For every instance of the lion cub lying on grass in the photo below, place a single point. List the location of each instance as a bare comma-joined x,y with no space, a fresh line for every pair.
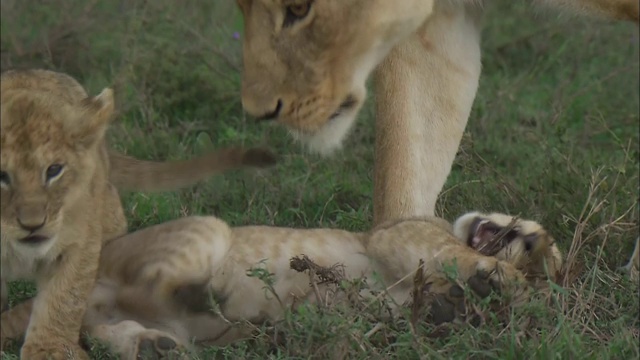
59,202
154,285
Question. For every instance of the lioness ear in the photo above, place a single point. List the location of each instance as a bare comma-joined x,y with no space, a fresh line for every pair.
96,113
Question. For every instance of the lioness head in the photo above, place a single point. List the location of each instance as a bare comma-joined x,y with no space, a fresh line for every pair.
523,243
49,135
306,61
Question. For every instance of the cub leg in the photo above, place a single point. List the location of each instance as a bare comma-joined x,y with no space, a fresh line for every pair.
397,252
132,341
126,333
14,321
424,93
59,307
633,266
4,295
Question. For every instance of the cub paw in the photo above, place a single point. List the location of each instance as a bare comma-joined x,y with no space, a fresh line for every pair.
501,277
448,303
154,345
53,352
448,307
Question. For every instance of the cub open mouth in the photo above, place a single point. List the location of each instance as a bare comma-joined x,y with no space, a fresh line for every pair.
489,238
349,102
34,239
476,238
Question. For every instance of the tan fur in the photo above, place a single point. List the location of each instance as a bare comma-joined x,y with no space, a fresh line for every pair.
534,252
425,56
633,265
47,118
135,301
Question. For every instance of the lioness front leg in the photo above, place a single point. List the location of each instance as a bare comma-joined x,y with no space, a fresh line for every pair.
424,92
59,307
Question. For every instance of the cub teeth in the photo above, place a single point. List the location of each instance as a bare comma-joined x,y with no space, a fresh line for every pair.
475,241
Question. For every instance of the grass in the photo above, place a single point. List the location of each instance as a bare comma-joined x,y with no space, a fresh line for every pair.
553,136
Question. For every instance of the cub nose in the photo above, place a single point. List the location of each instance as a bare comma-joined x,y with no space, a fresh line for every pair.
33,224
31,217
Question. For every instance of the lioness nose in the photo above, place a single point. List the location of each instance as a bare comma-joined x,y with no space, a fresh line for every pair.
260,103
264,113
31,218
272,114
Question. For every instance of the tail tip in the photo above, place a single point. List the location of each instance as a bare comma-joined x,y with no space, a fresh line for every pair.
259,157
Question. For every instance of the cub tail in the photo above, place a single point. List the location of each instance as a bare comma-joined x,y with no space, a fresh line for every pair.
128,173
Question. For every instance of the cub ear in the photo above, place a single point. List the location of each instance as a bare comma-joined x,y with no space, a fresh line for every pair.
95,115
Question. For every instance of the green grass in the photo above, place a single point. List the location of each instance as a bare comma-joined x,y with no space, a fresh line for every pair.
553,136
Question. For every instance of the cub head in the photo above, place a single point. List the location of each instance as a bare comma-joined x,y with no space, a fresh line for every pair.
523,243
306,61
50,136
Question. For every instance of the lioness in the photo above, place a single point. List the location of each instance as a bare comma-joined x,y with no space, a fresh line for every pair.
58,201
306,63
154,285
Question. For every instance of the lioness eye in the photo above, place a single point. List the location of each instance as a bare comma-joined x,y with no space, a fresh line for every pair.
295,12
53,171
4,178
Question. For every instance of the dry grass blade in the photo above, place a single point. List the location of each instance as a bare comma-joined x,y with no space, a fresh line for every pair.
333,274
318,275
417,296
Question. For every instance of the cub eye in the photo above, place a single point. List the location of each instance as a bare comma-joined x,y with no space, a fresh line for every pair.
4,178
530,240
53,171
295,13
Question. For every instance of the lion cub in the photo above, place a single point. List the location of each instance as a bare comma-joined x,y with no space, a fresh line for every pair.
633,265
154,285
58,202
525,244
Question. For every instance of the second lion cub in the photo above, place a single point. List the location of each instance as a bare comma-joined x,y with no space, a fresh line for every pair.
154,285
